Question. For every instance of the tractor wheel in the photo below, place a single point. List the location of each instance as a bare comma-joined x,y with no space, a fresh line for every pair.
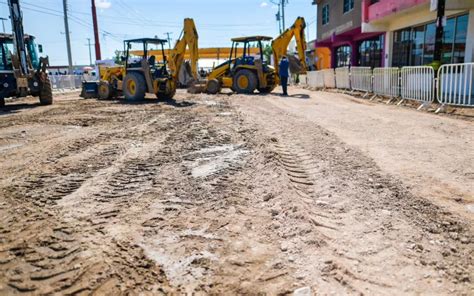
166,96
170,89
245,82
213,87
46,91
266,90
2,102
134,87
105,90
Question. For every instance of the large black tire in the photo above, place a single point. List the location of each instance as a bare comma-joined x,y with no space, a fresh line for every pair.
170,89
266,90
46,91
213,87
245,82
2,102
105,91
166,96
134,87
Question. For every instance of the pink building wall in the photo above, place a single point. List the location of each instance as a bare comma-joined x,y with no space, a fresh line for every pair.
384,8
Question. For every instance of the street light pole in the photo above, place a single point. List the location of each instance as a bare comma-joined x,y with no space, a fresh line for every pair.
90,51
68,39
169,39
439,31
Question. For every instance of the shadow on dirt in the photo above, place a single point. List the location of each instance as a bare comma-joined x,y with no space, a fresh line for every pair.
15,108
300,96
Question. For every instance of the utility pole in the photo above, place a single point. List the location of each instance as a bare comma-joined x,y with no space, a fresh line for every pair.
68,39
280,16
90,51
98,56
3,23
283,2
439,31
169,39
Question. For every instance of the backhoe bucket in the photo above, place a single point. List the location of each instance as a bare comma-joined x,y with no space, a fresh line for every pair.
197,87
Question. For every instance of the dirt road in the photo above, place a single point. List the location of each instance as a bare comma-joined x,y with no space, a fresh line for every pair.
220,194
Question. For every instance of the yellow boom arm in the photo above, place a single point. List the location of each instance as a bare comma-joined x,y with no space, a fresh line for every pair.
280,44
189,37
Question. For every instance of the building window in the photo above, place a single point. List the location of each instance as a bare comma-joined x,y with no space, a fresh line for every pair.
343,56
348,5
371,52
415,46
325,14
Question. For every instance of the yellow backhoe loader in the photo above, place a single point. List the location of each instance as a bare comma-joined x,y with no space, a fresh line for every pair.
246,73
143,74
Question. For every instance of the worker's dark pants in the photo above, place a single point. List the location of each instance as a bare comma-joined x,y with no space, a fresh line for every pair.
284,84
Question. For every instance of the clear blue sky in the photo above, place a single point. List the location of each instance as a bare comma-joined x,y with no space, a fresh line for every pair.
217,21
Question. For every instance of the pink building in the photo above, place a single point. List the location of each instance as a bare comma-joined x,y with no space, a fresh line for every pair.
410,29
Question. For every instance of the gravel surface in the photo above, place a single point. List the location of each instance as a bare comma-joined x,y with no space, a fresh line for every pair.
234,195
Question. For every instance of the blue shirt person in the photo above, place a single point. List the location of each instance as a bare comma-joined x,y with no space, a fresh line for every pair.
284,73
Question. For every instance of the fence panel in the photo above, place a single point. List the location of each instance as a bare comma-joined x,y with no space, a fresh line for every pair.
329,78
315,79
66,82
418,83
343,78
361,79
386,82
455,84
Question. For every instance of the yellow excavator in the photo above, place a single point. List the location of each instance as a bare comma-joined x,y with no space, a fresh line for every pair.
143,74
246,73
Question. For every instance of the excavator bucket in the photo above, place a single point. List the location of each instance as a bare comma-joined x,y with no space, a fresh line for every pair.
197,87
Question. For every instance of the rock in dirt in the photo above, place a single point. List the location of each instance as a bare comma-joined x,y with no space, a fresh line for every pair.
305,291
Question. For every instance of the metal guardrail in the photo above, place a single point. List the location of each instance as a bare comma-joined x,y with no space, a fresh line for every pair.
418,83
66,82
329,78
343,80
386,82
456,84
361,79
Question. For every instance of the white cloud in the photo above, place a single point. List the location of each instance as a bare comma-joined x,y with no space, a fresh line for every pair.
103,4
264,4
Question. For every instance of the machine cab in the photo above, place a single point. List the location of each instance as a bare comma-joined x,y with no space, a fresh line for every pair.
7,49
252,51
138,54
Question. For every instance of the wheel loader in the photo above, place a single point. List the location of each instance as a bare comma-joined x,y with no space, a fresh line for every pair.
143,74
22,71
244,73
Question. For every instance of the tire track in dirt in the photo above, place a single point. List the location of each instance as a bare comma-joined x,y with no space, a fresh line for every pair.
65,257
371,218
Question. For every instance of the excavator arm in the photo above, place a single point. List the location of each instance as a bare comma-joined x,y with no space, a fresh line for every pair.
280,44
189,37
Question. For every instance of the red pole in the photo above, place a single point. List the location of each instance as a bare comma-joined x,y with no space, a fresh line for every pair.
96,32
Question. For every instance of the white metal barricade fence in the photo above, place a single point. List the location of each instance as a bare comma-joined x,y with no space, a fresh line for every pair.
315,79
361,79
343,78
304,79
456,84
418,83
386,82
329,78
66,82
